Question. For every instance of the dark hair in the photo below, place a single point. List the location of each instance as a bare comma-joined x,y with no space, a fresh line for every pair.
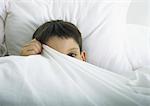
58,28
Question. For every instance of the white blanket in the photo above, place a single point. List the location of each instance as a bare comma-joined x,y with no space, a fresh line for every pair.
54,79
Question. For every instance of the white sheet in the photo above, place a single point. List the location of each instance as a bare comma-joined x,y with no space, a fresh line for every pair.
54,79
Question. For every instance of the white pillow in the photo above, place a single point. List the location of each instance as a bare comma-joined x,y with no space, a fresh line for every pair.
3,50
2,8
137,45
99,21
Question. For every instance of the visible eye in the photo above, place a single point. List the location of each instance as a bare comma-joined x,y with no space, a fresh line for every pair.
72,54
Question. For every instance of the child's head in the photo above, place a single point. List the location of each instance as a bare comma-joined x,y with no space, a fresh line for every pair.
61,36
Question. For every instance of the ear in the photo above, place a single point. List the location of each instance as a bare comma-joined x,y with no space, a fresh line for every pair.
83,55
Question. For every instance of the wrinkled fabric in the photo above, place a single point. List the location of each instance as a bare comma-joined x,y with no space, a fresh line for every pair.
54,79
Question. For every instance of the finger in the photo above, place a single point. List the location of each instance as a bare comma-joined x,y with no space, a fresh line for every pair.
27,53
35,43
32,41
38,45
33,48
29,49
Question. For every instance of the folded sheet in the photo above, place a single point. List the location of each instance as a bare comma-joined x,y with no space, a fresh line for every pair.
54,79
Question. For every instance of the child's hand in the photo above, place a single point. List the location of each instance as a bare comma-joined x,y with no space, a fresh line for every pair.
32,48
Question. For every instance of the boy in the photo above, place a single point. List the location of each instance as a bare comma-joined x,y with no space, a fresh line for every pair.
62,36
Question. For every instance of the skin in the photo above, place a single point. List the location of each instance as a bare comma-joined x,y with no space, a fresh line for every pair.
62,45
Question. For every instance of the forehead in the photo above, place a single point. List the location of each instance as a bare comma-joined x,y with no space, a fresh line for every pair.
62,45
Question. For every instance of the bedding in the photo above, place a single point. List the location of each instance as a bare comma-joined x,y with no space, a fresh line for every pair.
137,45
100,22
3,49
3,5
54,79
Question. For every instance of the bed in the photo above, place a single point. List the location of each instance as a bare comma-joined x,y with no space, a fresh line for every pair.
118,53
54,79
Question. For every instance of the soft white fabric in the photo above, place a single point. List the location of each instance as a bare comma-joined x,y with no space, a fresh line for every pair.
100,22
1,30
55,79
2,8
142,80
137,45
3,49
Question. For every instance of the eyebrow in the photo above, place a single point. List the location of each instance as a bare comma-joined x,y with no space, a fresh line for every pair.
73,49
